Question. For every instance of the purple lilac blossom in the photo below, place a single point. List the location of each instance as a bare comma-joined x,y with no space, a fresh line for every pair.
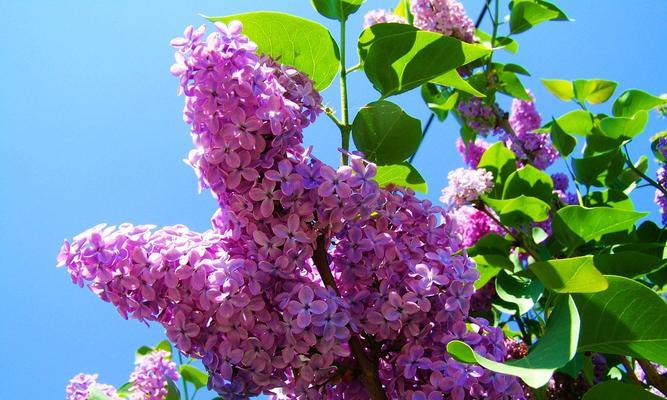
529,147
380,15
245,296
149,378
472,151
79,387
660,198
443,16
482,118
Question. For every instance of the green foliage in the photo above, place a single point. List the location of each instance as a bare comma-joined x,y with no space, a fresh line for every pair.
624,127
172,391
527,13
614,390
554,350
281,36
632,101
560,88
519,210
522,293
501,162
439,101
600,169
96,394
452,79
192,374
529,181
337,9
631,263
401,174
626,319
570,275
399,61
563,142
385,133
577,122
575,225
595,91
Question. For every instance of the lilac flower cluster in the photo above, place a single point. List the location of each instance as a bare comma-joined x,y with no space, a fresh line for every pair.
561,185
472,224
149,378
660,198
472,151
79,388
444,16
380,15
482,118
248,298
466,185
529,147
641,375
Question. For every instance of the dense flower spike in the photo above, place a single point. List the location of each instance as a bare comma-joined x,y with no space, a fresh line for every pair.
466,185
247,298
530,147
444,16
380,15
472,151
472,224
80,386
660,198
149,378
481,117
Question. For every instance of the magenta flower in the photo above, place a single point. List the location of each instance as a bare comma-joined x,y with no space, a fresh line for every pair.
266,194
413,360
182,331
306,307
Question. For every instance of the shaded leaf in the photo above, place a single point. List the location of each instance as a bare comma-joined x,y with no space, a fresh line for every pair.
630,264
614,390
633,100
529,181
624,127
454,80
600,169
519,210
576,225
191,374
385,133
439,101
501,162
527,13
563,142
519,291
337,9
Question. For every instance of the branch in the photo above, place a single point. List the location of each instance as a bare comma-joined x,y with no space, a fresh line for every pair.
369,368
653,377
630,370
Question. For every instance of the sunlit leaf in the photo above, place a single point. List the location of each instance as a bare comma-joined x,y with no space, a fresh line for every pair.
570,275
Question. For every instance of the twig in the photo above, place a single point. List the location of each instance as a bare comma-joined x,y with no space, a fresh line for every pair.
653,377
630,370
369,368
634,169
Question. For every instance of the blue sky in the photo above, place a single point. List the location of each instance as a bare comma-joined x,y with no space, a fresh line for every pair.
91,131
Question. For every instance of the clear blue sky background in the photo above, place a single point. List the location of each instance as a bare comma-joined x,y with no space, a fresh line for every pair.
91,131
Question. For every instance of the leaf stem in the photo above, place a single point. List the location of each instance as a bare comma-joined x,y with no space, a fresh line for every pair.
524,334
353,68
185,386
369,368
344,123
634,169
517,238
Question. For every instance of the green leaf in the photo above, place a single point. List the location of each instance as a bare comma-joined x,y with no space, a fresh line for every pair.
503,42
519,210
96,394
576,225
298,42
164,346
577,122
385,133
626,319
501,162
402,61
193,375
628,178
509,83
624,127
403,174
554,350
123,391
380,31
439,101
142,351
492,250
610,198
570,275
562,89
453,79
521,292
595,91
529,181
337,9
600,169
630,264
633,100
172,391
527,13
563,142
614,390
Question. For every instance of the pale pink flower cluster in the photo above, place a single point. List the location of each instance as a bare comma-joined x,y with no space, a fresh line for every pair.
380,15
466,185
444,16
80,386
247,297
149,378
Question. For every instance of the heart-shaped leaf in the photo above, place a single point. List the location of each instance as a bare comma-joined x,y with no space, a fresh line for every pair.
570,275
403,174
337,9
